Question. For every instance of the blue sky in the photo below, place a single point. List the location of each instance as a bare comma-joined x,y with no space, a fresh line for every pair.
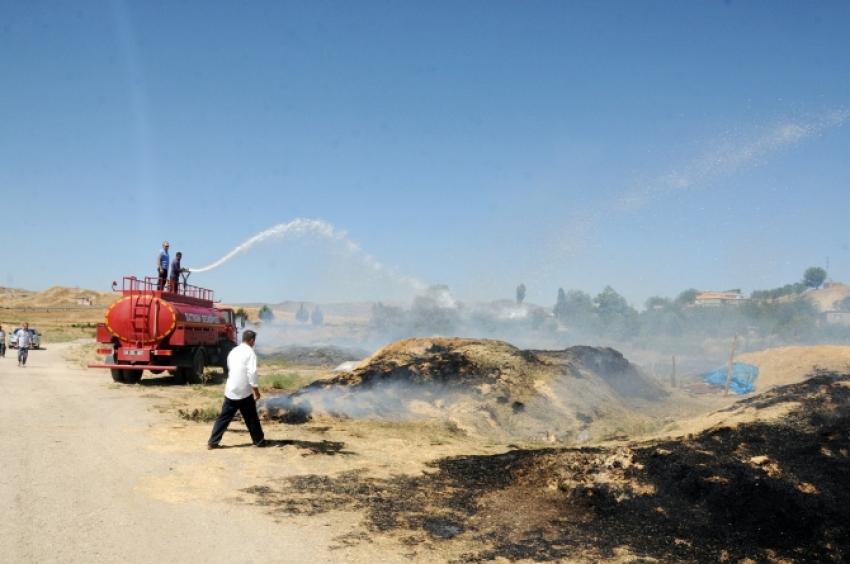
476,144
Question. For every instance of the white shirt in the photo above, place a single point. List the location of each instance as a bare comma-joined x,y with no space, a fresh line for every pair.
24,338
242,372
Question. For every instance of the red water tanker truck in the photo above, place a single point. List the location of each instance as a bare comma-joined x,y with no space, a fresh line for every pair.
177,329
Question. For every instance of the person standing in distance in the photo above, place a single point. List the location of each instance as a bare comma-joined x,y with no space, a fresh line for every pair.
162,266
241,393
24,341
2,343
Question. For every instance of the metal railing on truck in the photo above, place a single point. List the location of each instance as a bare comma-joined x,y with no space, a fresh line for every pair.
132,285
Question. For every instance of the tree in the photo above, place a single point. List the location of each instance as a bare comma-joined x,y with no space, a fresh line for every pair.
302,314
814,277
241,316
577,308
686,298
265,313
611,304
657,302
317,317
616,315
560,309
520,293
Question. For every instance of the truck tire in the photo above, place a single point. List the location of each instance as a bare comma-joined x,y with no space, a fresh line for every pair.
195,373
117,375
224,349
132,376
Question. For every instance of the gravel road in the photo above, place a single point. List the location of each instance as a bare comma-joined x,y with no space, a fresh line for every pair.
75,449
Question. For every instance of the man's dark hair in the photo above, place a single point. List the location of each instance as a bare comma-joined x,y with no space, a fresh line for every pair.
179,254
248,336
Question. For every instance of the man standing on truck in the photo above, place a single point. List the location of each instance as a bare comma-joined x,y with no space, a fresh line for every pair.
241,393
162,266
176,271
24,340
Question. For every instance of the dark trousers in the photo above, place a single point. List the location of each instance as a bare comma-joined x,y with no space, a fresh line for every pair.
248,408
160,283
22,354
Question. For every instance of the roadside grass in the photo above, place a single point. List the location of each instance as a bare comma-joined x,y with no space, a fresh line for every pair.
285,380
63,333
207,390
83,354
205,414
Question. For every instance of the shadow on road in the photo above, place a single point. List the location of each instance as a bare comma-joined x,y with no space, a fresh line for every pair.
329,448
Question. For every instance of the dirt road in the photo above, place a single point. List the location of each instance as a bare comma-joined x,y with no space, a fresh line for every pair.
78,474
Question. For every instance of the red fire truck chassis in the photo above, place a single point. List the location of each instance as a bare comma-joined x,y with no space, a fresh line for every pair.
176,329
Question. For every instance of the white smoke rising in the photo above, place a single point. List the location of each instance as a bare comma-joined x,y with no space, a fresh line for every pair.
302,227
397,401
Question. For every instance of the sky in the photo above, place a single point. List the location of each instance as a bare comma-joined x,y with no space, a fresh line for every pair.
650,146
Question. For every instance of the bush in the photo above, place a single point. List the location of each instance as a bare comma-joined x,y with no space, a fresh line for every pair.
265,313
286,381
202,415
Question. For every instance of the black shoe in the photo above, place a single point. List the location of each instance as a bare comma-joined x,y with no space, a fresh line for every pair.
262,444
213,446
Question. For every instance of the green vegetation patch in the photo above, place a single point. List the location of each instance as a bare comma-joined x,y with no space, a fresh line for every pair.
201,415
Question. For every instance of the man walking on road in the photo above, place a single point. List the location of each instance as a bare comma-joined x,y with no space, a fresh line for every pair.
241,393
24,341
2,343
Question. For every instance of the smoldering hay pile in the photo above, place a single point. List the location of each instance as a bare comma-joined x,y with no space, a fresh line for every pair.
486,388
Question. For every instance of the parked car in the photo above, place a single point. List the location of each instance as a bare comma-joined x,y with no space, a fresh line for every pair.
36,338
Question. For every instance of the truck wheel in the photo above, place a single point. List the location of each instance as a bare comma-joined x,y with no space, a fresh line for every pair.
132,376
117,375
195,374
181,375
224,349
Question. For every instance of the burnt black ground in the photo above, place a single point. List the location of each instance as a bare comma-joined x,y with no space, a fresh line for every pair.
763,490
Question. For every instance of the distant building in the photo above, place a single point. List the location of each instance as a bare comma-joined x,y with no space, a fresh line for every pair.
83,300
836,317
713,299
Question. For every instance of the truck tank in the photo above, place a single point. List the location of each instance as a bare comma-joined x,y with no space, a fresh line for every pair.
175,329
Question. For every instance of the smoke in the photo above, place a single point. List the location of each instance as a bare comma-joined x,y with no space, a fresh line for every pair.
302,227
396,401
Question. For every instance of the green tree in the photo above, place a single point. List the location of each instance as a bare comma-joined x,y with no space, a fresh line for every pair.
520,293
615,313
686,298
814,277
560,309
302,314
317,317
610,305
265,313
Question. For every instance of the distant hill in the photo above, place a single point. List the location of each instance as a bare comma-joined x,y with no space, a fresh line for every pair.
57,296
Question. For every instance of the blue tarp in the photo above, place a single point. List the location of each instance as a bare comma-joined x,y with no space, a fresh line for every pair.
743,378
